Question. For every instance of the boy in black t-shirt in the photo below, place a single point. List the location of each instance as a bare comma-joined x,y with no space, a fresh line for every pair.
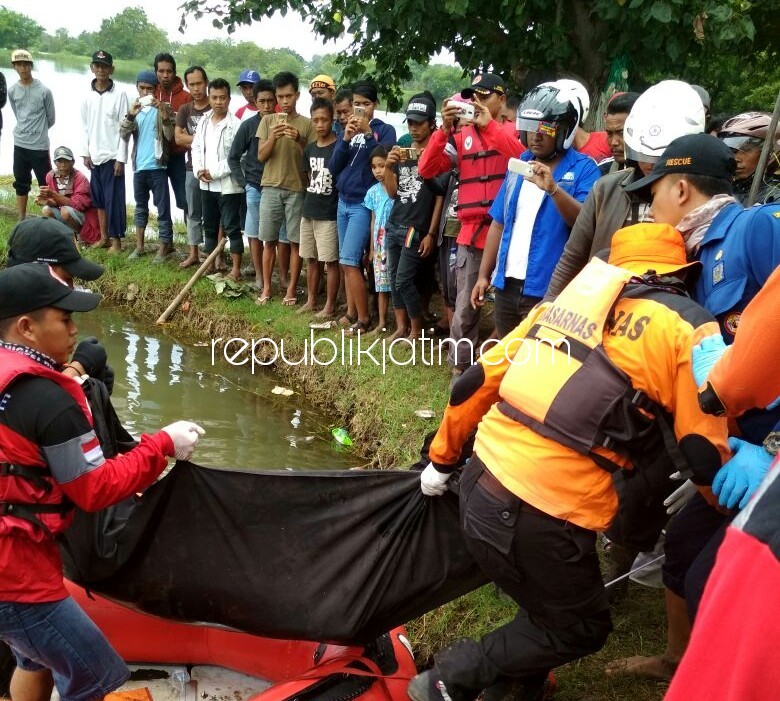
319,235
413,225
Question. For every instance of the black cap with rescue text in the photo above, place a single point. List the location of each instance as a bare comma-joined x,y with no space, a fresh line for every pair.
693,154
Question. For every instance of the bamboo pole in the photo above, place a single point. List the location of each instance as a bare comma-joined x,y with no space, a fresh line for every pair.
197,275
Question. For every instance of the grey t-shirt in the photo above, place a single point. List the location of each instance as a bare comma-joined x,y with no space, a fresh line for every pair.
33,106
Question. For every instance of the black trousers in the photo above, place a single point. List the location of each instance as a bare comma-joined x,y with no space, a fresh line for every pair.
548,566
221,209
693,537
512,306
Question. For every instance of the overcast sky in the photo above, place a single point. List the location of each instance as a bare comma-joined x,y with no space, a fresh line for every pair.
86,15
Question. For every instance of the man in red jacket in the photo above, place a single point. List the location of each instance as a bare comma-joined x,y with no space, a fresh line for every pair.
170,89
66,197
51,460
480,150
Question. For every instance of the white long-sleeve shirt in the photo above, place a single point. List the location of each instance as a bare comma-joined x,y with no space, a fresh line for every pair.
101,114
210,150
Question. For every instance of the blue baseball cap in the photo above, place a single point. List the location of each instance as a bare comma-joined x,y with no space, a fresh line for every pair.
147,76
248,76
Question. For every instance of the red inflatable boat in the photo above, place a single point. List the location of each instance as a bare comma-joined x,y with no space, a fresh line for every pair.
283,669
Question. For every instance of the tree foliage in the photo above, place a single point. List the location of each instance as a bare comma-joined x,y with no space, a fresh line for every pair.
130,35
531,39
18,31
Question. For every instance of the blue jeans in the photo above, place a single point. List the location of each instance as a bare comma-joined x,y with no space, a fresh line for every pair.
354,223
194,211
252,221
59,636
156,182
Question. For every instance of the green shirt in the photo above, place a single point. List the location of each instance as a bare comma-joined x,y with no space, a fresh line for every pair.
284,169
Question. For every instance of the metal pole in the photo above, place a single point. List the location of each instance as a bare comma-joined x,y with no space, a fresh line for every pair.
769,144
634,571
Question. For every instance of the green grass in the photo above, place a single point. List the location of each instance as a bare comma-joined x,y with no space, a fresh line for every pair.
378,411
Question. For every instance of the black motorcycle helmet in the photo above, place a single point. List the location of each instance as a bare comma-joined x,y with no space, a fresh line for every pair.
544,109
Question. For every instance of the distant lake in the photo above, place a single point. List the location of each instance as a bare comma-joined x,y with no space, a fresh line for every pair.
70,85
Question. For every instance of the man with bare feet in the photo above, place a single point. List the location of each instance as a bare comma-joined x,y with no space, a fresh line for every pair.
104,151
319,235
187,119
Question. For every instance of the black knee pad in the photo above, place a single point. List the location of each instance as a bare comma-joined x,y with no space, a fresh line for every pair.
468,383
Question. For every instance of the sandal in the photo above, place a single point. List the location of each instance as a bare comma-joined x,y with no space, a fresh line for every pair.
263,300
359,327
347,320
322,325
290,301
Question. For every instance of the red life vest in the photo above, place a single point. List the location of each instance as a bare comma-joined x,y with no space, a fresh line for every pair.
30,500
482,171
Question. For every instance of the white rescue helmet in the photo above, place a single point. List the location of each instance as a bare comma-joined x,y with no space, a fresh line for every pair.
661,114
577,94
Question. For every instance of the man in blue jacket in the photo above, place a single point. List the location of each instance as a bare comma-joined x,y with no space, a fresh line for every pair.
690,187
350,164
533,213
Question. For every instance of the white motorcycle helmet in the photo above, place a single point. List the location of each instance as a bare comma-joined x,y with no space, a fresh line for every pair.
662,113
576,93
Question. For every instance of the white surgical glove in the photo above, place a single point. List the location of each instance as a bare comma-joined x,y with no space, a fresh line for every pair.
432,482
185,436
680,496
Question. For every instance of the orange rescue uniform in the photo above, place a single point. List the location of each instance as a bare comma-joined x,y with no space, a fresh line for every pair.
740,377
649,336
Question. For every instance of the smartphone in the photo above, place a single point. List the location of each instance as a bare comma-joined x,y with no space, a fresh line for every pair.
466,111
146,100
359,111
523,168
281,117
408,154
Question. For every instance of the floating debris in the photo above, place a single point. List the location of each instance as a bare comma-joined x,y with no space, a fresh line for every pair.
341,436
282,390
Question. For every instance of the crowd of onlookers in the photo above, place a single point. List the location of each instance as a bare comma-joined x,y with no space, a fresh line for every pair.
380,218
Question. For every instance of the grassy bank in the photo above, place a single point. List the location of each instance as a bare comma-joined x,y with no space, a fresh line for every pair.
378,410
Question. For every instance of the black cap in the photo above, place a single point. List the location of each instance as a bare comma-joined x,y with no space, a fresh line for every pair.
693,154
43,240
484,84
420,109
31,286
103,57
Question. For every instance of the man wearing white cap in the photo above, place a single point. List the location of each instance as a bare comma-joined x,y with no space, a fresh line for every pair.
33,106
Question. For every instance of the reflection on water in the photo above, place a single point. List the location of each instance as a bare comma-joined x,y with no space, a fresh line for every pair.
159,380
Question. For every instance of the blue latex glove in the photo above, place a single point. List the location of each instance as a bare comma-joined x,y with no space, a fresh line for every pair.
773,405
705,355
740,477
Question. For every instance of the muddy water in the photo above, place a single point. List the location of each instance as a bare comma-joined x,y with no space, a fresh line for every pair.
160,380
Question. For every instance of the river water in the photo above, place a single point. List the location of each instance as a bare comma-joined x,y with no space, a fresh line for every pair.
160,380
69,86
